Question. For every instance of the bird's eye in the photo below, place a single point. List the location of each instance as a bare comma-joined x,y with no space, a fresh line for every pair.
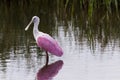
34,19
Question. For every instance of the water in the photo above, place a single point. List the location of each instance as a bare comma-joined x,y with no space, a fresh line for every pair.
91,51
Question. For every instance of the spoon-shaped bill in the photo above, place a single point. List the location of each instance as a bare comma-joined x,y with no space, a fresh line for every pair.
28,25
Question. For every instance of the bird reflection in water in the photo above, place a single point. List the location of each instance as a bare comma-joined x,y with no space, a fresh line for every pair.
49,71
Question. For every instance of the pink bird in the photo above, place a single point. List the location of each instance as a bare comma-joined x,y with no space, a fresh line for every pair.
45,41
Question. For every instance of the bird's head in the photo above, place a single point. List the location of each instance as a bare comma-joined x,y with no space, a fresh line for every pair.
35,20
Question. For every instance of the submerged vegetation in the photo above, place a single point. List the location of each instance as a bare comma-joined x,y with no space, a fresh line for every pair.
71,7
62,8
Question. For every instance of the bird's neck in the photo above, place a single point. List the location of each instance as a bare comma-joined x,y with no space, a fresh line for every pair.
35,31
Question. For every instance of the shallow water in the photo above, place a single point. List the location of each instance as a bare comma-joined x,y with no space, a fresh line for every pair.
91,52
23,61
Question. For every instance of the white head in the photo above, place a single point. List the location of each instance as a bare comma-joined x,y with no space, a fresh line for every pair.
35,20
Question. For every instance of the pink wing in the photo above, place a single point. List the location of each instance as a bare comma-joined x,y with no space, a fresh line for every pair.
47,43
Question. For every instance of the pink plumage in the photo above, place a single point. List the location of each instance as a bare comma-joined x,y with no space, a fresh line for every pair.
47,43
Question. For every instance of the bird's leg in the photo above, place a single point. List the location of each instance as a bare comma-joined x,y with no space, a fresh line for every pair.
47,58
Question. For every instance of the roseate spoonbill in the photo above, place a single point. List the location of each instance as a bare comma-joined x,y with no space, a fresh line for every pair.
44,41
